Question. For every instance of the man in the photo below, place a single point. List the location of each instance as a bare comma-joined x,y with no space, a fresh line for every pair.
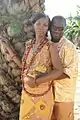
64,86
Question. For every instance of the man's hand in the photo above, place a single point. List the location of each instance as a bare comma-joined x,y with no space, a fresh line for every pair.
39,74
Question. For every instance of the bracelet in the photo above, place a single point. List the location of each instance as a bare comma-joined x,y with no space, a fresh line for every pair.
13,56
20,68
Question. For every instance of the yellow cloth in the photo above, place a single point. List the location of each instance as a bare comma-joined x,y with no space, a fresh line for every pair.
63,111
37,108
65,88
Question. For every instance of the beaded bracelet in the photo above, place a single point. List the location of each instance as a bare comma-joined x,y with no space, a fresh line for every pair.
20,67
13,56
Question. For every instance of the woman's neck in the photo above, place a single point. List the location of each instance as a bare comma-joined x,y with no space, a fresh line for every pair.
39,39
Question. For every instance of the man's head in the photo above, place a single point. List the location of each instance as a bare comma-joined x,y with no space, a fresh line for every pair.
58,24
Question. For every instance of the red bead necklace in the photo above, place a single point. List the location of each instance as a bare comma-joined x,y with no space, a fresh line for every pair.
25,56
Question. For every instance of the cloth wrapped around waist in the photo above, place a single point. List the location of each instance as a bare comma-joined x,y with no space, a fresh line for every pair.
42,88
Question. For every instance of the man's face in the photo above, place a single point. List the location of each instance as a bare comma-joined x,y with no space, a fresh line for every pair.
56,31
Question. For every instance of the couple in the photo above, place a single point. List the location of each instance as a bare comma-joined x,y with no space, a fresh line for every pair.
49,72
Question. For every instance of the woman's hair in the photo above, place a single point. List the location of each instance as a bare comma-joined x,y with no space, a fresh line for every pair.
38,16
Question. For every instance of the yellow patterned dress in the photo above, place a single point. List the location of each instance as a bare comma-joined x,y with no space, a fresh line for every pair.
37,103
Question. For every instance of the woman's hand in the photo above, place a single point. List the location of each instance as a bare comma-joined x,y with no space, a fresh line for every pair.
30,81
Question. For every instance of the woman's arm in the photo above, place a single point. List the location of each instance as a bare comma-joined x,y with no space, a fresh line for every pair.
12,54
57,67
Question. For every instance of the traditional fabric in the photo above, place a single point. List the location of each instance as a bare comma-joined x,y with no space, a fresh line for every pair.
37,107
63,111
65,88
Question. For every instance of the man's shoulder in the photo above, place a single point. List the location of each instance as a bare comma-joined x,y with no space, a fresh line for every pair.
68,44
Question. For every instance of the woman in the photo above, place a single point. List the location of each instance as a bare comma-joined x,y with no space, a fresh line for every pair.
40,65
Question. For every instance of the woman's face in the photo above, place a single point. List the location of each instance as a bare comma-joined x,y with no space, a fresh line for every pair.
41,26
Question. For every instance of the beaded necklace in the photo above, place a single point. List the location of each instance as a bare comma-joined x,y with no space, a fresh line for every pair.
33,57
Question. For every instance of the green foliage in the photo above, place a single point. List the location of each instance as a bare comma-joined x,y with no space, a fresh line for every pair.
72,31
73,28
14,28
14,23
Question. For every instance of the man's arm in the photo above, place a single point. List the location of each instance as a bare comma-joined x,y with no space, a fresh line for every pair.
57,67
63,76
70,65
